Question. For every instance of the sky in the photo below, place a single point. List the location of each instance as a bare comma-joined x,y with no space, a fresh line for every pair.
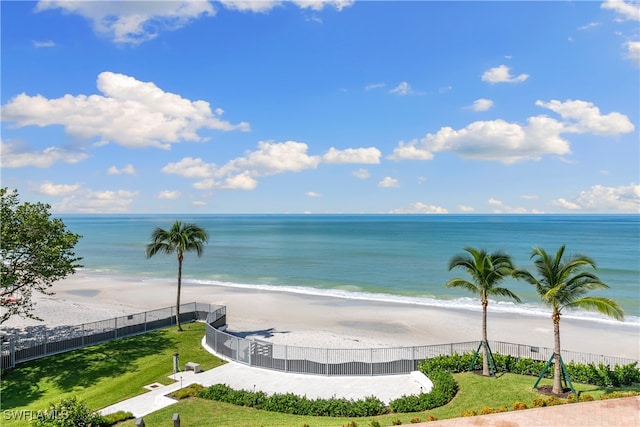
416,107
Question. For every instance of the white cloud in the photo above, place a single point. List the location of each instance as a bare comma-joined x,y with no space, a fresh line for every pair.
312,194
481,104
465,208
402,89
169,195
127,170
498,140
502,74
491,140
320,4
500,207
39,44
388,182
627,10
361,173
270,158
132,113
273,158
16,155
565,204
372,86
370,155
420,208
199,203
633,51
599,198
249,5
585,117
132,22
589,26
189,167
242,181
48,188
89,201
80,200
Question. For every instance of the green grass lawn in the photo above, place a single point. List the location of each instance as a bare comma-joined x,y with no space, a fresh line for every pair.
476,392
105,373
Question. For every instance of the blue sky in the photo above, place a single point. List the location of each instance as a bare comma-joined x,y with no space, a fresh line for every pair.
322,107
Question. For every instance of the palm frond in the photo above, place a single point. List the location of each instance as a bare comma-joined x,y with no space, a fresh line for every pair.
603,305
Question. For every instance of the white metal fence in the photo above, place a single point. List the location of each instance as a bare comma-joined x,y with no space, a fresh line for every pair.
264,354
22,347
373,361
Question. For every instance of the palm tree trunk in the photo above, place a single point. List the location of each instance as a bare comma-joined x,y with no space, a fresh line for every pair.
485,353
180,257
557,371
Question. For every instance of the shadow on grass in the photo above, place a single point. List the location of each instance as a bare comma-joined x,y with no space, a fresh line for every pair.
79,368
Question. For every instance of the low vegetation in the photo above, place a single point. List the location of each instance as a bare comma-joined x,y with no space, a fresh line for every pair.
100,375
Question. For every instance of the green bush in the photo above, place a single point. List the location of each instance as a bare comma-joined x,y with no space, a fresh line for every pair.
69,412
189,391
116,417
295,405
600,375
444,389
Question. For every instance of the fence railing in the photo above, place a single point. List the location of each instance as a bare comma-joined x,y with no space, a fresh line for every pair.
23,347
371,361
264,354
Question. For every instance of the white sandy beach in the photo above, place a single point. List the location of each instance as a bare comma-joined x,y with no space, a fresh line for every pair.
318,321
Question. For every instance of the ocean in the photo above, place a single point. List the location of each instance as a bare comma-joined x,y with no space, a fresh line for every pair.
401,258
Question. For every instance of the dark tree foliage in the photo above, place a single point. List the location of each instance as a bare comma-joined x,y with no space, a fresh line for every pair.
35,251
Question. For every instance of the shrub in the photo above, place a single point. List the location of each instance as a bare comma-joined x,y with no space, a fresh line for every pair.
189,391
600,375
431,418
375,423
519,406
585,398
351,424
396,422
552,401
116,417
69,412
539,403
444,389
415,420
468,413
486,410
289,403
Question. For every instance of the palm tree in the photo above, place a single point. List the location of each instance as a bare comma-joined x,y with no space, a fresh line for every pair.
487,272
563,284
180,238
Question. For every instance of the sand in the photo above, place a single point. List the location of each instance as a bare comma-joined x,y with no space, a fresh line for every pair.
319,321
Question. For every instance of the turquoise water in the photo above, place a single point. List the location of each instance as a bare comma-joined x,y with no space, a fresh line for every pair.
386,257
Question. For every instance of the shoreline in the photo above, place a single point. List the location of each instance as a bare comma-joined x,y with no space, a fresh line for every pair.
309,320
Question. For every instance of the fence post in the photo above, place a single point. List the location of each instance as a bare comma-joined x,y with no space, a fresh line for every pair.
145,321
13,353
82,335
371,361
286,358
327,356
115,324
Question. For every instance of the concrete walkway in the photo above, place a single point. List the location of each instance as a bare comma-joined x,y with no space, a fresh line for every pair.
614,412
238,376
